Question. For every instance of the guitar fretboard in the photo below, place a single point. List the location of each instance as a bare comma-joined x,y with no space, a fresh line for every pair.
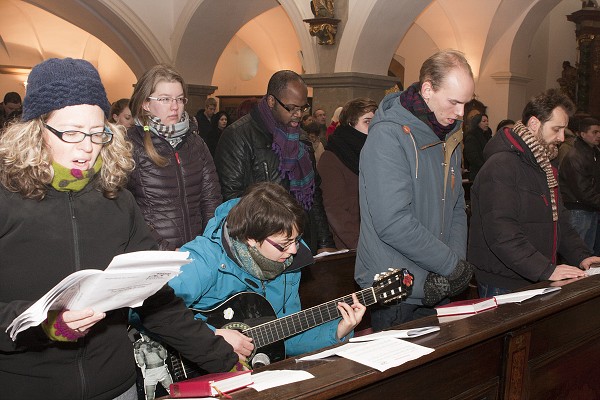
290,325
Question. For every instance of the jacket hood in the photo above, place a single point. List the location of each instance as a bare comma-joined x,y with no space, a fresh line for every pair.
214,232
391,111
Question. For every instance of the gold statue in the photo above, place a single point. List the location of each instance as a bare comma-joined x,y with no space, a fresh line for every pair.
322,8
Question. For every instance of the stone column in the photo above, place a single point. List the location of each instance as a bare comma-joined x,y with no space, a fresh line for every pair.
332,90
197,95
587,22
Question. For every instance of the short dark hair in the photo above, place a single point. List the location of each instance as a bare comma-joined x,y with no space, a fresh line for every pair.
313,127
477,119
265,209
356,108
436,67
542,105
586,123
12,97
280,80
503,123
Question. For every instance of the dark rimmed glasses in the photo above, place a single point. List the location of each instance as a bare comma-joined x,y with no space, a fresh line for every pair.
292,108
78,136
285,248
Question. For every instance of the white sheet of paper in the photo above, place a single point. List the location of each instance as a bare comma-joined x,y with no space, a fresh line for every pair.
127,282
385,353
518,297
274,378
327,253
327,353
592,271
397,334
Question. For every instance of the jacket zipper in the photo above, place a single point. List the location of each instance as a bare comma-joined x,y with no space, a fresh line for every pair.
186,217
266,168
77,257
443,194
80,352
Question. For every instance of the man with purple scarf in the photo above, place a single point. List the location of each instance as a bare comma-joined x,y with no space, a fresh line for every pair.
265,146
411,198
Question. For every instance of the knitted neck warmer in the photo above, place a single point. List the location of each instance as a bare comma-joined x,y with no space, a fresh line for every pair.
73,180
346,143
412,101
250,260
543,154
294,160
174,134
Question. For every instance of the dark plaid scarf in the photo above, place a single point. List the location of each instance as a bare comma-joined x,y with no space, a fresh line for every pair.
543,154
412,101
346,143
174,134
294,160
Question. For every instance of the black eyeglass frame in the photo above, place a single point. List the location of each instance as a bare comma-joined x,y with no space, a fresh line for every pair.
59,134
295,108
283,249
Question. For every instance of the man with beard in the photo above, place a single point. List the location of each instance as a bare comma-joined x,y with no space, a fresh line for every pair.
265,146
519,225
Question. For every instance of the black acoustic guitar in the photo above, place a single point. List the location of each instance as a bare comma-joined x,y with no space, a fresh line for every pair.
253,315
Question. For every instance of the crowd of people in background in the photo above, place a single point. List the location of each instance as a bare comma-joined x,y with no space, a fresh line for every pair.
255,198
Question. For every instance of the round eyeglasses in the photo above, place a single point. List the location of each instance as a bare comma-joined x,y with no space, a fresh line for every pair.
77,136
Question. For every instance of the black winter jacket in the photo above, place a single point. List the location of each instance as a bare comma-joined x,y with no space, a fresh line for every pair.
579,175
41,242
176,200
244,156
513,241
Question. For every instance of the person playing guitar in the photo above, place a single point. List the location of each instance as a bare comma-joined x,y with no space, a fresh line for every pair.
254,244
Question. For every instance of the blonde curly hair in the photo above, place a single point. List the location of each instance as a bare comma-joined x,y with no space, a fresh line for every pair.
26,161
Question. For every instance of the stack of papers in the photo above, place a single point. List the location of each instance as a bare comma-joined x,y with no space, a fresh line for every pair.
127,282
518,297
269,379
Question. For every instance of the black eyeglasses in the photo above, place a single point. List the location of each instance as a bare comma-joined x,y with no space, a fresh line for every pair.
77,136
283,249
292,108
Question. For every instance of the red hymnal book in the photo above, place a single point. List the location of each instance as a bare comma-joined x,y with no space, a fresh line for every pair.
463,307
211,384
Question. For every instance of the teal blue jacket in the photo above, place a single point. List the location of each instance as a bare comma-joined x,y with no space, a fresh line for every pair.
213,277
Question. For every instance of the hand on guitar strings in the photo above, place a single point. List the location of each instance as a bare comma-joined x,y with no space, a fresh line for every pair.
351,316
241,344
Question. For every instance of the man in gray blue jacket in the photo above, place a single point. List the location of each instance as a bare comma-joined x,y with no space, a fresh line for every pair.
411,197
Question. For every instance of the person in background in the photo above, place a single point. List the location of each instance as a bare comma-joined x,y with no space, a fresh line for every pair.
265,145
478,136
307,119
253,244
220,121
320,117
571,133
174,181
204,117
519,225
63,208
412,207
335,121
10,107
312,132
339,171
120,113
579,180
505,123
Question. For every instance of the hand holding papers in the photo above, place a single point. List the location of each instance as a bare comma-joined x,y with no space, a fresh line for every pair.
127,282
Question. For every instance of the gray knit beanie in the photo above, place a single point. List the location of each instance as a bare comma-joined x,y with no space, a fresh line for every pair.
58,83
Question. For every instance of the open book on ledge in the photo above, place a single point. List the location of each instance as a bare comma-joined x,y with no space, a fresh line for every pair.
127,281
474,306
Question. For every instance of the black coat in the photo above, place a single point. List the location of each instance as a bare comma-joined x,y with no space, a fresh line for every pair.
244,156
41,242
513,241
176,200
475,142
579,175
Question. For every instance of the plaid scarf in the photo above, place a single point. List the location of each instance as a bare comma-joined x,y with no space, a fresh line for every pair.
294,160
412,101
174,134
543,154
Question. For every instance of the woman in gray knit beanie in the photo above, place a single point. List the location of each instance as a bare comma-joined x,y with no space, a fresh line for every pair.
63,208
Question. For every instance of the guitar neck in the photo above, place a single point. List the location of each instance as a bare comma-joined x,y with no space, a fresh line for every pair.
290,325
